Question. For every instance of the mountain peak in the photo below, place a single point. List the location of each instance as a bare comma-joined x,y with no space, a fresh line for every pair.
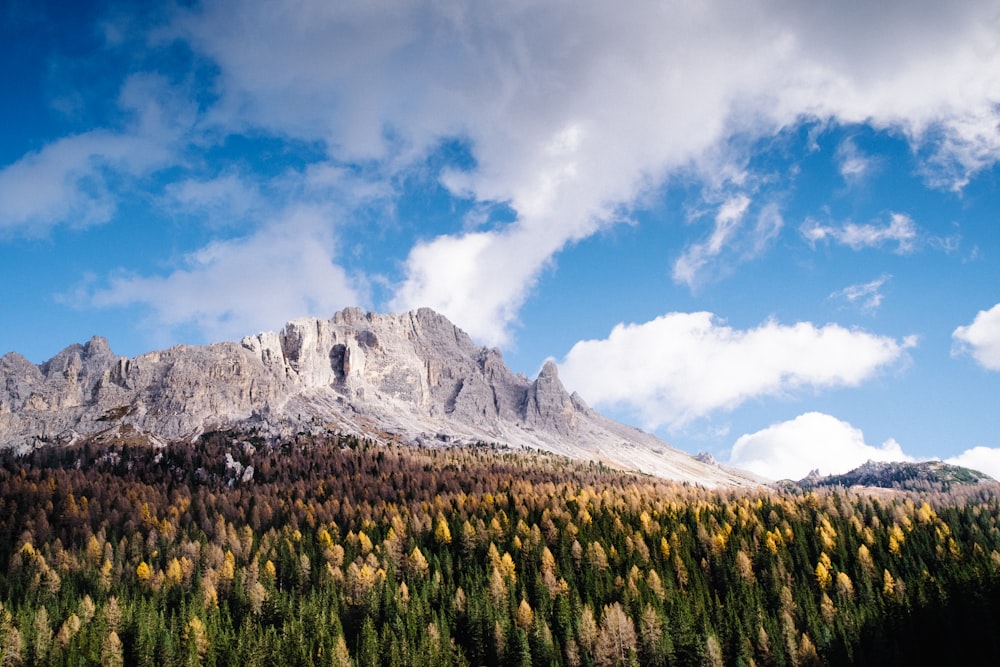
549,370
97,346
414,377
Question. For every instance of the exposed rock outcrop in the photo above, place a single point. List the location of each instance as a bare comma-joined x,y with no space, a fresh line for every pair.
415,377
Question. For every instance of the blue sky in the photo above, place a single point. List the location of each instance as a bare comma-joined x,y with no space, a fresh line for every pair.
764,230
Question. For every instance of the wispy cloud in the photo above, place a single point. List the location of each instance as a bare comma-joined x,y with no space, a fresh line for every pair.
866,296
227,199
682,366
901,231
75,180
695,257
981,338
738,235
853,164
61,183
227,289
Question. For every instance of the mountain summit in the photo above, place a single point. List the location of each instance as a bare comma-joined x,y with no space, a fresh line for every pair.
414,377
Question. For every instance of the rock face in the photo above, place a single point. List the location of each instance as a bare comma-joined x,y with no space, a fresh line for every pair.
413,377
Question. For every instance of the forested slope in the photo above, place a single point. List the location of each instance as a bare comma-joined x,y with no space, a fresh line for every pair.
336,551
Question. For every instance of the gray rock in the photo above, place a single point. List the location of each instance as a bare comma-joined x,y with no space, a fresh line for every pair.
410,377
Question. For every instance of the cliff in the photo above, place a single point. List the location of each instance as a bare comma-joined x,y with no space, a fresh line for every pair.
413,377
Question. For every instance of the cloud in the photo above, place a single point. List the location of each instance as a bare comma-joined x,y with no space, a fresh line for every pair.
983,459
223,200
981,339
727,220
730,243
682,366
231,288
71,180
493,270
867,296
275,256
901,230
572,111
853,164
811,441
66,182
61,182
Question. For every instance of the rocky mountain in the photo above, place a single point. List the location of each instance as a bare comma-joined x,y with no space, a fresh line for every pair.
901,475
414,378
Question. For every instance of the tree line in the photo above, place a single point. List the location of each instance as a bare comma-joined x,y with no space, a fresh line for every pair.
341,551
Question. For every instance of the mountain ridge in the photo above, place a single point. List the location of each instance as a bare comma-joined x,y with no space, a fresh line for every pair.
898,475
413,377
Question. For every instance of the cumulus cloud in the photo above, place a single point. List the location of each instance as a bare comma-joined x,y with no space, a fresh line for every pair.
811,441
572,111
494,272
981,339
901,230
983,459
231,288
682,366
867,296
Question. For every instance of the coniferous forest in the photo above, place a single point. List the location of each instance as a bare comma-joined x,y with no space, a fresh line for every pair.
338,551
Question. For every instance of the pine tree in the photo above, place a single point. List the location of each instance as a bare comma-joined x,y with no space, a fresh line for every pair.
616,641
368,653
42,638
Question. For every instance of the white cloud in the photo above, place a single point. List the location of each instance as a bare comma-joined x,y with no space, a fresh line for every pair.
494,269
695,257
853,164
731,242
56,184
232,288
573,110
811,441
277,258
901,230
67,180
981,339
682,366
868,296
983,459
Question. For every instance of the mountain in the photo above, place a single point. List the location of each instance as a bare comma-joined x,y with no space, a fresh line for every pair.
901,475
414,378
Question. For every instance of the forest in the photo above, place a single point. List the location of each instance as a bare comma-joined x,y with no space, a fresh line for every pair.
332,550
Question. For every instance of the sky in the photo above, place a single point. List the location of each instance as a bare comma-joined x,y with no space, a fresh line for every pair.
764,230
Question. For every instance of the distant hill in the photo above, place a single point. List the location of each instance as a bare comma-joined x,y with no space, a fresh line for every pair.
904,476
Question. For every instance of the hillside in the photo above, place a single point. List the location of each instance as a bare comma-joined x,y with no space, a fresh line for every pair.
904,475
339,551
